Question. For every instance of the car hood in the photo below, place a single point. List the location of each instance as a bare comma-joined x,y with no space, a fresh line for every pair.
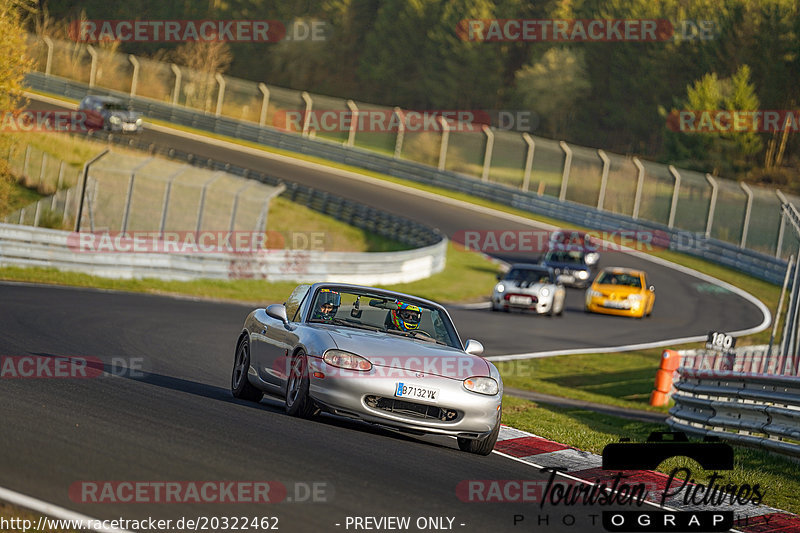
406,354
523,286
567,266
616,290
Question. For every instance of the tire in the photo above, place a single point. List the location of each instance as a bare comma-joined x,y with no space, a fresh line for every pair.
240,386
298,403
482,446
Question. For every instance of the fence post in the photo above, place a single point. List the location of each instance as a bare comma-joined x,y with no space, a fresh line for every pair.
42,169
567,167
60,182
401,130
487,154
637,201
262,120
351,135
746,226
789,325
445,142
202,205
177,90
49,64
220,93
167,191
93,71
765,365
83,189
236,203
675,192
526,176
129,196
309,106
604,179
36,213
135,76
712,204
66,208
782,226
25,163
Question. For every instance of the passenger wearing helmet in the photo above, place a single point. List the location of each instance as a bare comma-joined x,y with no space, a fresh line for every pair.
327,304
406,317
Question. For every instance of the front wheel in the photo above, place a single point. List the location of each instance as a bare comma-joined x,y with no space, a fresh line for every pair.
482,446
298,403
240,386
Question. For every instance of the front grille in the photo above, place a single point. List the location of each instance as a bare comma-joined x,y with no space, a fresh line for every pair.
411,409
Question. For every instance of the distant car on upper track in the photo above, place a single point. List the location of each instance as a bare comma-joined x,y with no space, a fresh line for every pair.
379,356
621,291
530,288
110,114
570,267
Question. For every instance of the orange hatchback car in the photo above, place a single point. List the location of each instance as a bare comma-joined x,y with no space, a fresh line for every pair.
621,291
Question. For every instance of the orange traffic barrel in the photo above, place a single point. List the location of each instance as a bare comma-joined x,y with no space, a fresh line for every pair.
670,361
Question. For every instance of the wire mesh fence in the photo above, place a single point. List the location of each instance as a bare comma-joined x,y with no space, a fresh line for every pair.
644,190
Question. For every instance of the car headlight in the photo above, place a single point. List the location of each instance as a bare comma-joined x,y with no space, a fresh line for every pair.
139,122
115,119
350,361
593,293
545,292
582,274
481,385
500,287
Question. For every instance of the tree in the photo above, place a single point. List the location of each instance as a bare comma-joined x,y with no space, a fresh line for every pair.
553,86
13,65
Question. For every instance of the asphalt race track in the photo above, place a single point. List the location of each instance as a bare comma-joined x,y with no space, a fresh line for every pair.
174,419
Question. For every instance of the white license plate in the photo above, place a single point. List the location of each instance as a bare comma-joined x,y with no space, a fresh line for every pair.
613,304
407,390
519,300
129,127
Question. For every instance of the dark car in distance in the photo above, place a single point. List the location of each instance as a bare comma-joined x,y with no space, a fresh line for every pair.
110,114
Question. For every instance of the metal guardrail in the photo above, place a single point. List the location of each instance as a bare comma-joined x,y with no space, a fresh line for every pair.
760,411
28,246
756,264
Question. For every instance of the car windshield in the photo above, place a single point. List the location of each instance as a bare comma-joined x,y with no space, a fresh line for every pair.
114,107
616,278
565,257
527,275
379,312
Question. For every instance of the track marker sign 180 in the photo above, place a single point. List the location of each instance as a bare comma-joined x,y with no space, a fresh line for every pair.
720,341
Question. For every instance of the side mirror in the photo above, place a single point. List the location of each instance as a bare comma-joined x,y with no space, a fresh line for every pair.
473,347
278,312
651,288
499,276
592,258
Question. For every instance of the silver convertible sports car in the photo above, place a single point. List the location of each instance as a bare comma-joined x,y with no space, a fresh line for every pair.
374,355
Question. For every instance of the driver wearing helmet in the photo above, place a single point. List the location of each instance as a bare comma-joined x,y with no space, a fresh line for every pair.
327,304
406,317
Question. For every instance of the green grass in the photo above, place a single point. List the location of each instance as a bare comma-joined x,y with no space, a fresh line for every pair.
18,197
622,379
591,431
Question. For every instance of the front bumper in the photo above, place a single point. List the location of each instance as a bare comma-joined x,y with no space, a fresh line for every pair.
538,304
345,393
598,305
